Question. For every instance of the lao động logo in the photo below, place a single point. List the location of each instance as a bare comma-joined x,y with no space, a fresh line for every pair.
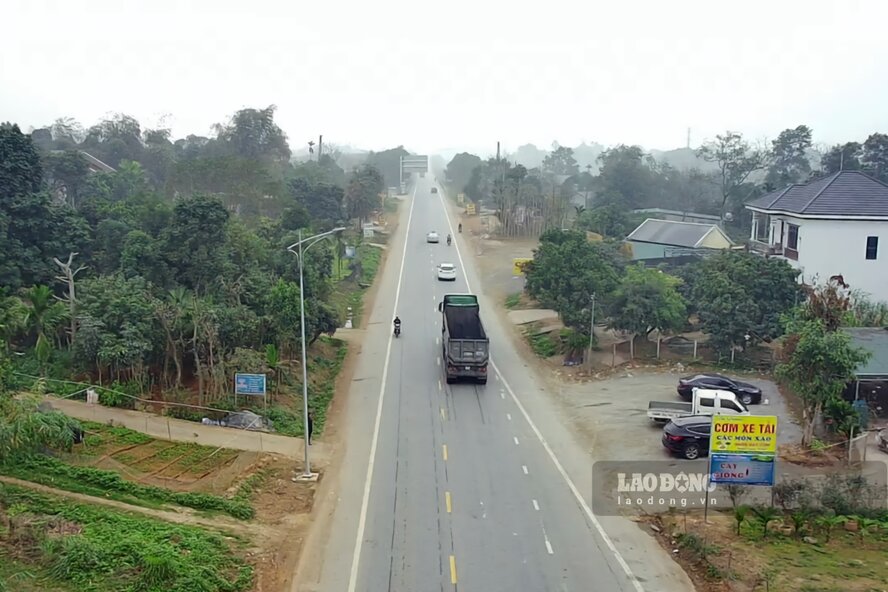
665,483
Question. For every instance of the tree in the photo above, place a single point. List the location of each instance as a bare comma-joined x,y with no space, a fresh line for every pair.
567,269
736,161
67,173
818,364
739,297
875,156
561,162
459,170
388,163
789,158
22,172
253,134
362,195
647,299
841,157
193,242
626,178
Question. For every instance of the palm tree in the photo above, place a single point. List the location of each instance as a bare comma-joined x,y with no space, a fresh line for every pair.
13,319
44,313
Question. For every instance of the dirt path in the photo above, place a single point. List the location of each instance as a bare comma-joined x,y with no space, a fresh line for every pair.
177,516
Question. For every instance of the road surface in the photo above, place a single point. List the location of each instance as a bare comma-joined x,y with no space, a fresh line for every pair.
462,487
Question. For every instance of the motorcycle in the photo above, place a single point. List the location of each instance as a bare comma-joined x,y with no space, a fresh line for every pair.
397,331
448,240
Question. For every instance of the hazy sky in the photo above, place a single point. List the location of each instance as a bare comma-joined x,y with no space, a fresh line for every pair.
455,74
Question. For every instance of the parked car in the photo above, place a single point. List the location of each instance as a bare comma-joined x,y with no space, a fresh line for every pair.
432,237
434,190
748,394
703,402
688,437
447,272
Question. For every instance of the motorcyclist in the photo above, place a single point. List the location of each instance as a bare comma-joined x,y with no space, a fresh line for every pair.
448,240
460,227
397,324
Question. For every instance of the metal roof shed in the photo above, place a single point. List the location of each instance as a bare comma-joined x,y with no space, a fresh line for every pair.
875,341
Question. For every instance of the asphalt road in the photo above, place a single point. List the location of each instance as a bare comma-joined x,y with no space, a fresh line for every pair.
454,487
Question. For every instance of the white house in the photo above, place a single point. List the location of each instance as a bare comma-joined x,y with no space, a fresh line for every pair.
835,225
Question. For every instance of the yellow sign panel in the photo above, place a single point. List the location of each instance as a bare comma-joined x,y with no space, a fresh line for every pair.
518,265
460,198
470,209
744,434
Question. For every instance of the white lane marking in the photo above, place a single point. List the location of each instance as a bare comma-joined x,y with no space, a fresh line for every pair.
438,360
439,384
548,544
362,520
516,440
502,395
570,484
509,416
536,506
524,468
437,342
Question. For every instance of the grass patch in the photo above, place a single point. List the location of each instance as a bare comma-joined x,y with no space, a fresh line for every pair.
513,300
542,344
322,372
390,205
53,472
95,549
25,577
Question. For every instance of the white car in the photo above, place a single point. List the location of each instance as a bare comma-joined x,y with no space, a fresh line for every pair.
432,237
447,272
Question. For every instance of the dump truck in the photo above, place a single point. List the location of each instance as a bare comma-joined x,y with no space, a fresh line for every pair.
465,346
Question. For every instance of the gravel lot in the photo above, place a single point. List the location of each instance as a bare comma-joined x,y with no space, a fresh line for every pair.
611,413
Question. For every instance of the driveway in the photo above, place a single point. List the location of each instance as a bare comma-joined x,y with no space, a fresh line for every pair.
612,413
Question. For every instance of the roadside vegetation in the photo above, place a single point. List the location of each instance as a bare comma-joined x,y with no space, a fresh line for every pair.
51,542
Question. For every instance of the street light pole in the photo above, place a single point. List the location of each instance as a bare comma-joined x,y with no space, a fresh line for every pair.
306,471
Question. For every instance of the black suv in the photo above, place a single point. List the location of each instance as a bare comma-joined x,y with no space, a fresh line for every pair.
688,437
748,394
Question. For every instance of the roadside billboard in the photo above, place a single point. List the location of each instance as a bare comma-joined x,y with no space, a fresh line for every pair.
743,449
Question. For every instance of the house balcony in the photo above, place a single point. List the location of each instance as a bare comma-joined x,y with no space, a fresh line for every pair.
769,250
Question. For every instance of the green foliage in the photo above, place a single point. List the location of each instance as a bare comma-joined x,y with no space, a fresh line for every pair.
648,299
542,344
513,300
819,363
567,269
738,294
25,429
764,515
116,551
362,194
610,221
51,471
459,170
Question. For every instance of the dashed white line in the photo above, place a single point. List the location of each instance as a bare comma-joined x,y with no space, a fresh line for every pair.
439,384
502,395
438,360
636,584
516,440
524,468
437,342
536,506
509,416
549,546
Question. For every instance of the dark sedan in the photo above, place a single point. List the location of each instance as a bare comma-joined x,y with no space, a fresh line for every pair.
688,437
748,394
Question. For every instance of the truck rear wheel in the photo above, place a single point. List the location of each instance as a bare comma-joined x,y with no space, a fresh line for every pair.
450,380
482,381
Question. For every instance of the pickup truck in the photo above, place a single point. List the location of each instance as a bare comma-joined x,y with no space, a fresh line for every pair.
703,402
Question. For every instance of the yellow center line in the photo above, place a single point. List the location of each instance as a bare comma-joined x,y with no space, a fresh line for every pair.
452,569
444,447
447,501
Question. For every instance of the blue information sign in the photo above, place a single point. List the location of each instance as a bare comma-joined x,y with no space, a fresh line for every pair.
742,469
249,384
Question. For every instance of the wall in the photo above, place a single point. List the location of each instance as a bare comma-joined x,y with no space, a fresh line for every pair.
833,247
641,251
715,240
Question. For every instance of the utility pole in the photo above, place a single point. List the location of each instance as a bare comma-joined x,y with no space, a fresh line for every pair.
320,146
592,330
689,138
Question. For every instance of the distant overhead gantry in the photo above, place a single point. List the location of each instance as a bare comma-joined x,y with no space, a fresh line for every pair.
413,164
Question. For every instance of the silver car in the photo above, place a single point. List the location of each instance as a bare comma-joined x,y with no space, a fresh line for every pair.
432,237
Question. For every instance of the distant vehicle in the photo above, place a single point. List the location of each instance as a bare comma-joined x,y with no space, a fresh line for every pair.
748,394
465,346
688,436
434,190
432,237
447,272
703,402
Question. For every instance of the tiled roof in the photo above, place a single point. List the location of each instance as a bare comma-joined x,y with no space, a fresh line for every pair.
669,232
843,194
